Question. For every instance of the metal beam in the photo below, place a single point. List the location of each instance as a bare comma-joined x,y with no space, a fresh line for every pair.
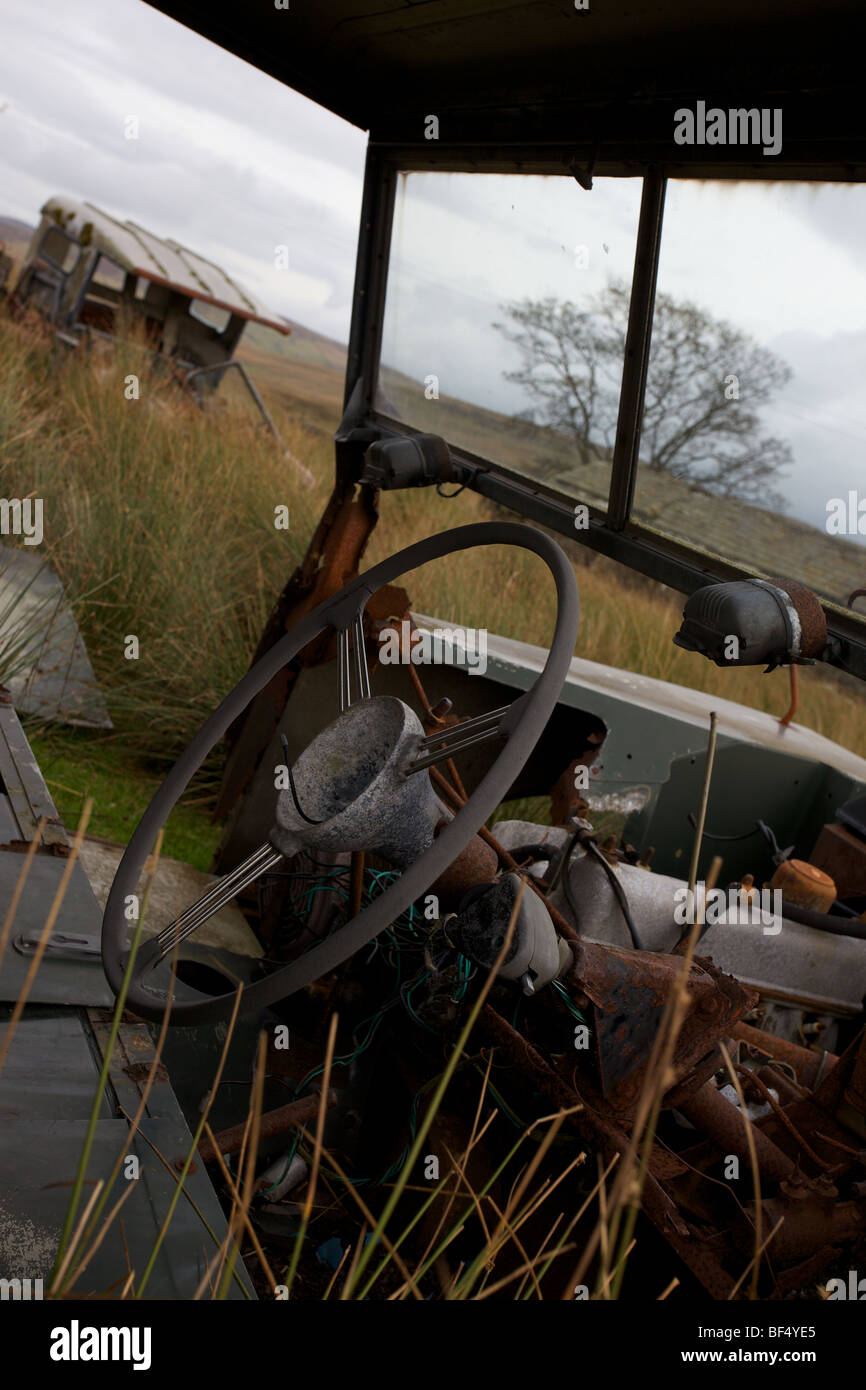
534,156
637,351
371,278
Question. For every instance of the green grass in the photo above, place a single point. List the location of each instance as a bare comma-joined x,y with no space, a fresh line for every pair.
77,764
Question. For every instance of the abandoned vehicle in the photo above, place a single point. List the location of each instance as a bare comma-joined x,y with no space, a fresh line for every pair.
530,848
84,267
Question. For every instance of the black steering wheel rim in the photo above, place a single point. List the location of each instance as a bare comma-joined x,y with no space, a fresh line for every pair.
536,707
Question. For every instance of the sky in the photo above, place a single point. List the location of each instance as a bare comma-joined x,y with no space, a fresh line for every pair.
227,161
235,165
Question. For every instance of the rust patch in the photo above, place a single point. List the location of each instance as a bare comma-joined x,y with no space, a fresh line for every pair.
813,619
140,1071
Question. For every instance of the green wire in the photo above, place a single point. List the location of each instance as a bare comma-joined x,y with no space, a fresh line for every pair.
290,1155
572,1008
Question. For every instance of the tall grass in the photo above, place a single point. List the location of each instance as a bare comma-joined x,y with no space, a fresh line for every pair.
159,518
167,509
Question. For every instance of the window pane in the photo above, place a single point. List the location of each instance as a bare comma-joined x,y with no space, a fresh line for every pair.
56,246
755,422
108,275
493,280
210,314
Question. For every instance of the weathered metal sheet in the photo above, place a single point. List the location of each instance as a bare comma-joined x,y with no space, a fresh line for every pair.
161,260
58,981
27,798
33,1088
39,1155
45,664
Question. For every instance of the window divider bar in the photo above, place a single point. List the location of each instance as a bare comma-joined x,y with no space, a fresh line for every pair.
637,350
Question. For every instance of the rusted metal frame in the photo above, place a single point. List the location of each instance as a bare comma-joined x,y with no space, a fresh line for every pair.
637,350
273,1122
609,1140
22,782
248,382
332,558
341,536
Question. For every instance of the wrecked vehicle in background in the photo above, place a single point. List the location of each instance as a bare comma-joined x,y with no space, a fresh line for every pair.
85,267
719,1053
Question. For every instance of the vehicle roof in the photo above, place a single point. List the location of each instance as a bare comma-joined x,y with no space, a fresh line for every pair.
159,259
530,71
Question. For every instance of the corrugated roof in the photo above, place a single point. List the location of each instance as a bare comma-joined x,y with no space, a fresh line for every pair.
159,259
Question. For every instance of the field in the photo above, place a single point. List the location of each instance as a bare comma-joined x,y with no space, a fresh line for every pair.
159,519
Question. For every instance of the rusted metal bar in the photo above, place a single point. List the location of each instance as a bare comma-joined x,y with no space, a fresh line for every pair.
356,883
332,559
299,1112
248,382
726,1126
751,1078
806,1063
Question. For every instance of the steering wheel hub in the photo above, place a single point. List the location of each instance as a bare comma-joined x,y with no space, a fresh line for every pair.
351,780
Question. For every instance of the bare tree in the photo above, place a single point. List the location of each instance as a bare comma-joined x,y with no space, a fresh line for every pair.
706,384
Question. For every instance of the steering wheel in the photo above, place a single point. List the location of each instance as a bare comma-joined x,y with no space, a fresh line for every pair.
521,724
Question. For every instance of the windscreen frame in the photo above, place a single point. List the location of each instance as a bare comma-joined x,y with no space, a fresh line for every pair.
682,566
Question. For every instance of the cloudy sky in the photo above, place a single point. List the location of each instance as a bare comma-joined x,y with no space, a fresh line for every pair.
233,164
228,161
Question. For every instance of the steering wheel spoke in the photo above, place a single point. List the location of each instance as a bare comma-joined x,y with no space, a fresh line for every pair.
345,652
439,745
222,892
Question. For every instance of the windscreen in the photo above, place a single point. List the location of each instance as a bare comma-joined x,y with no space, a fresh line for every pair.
494,284
754,427
505,332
